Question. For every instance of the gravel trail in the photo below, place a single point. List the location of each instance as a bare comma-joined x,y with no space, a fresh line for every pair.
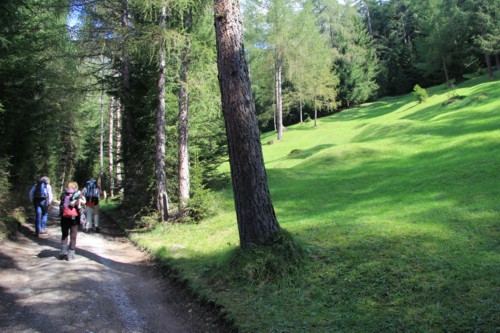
110,287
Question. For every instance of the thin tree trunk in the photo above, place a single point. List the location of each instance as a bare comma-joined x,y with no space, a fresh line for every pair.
110,147
279,104
118,145
101,134
487,58
370,30
315,113
129,143
300,110
183,126
446,72
161,178
63,179
257,221
497,61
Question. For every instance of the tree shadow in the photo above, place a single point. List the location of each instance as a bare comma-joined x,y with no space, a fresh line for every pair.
440,248
305,153
371,110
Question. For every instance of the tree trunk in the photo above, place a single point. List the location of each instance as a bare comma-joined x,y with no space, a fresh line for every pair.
101,128
279,101
446,72
129,142
487,58
497,61
161,178
315,113
118,146
300,110
183,126
110,147
254,209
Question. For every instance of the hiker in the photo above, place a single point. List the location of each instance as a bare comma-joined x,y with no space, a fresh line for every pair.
71,210
92,193
40,195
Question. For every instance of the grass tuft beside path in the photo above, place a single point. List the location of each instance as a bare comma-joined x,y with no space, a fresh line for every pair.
396,208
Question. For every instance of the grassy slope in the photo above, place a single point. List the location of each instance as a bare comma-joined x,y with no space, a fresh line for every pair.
397,205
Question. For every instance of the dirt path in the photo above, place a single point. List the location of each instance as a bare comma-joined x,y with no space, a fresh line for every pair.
110,287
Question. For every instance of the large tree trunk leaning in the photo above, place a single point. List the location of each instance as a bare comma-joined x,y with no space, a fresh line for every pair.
161,177
183,126
257,221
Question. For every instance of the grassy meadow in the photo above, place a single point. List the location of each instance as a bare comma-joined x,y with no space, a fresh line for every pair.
396,206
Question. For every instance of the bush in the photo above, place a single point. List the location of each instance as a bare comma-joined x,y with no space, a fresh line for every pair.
420,93
201,203
200,206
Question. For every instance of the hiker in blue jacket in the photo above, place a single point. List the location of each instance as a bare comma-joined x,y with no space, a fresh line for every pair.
41,196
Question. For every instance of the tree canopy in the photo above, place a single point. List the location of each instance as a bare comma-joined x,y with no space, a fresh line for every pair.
80,96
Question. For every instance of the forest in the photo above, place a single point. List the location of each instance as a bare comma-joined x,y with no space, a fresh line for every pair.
376,120
127,90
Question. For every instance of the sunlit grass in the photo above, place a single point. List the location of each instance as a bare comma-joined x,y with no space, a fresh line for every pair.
396,205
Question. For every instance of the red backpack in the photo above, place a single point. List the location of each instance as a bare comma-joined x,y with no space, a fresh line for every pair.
67,210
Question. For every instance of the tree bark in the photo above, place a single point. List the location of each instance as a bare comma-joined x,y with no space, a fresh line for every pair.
254,209
161,178
183,126
101,128
487,58
300,111
315,113
118,146
446,72
110,147
279,101
129,142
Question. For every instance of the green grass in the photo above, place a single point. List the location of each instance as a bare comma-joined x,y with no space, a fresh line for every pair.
396,206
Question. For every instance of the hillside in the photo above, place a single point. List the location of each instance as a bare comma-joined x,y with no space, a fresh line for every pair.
396,206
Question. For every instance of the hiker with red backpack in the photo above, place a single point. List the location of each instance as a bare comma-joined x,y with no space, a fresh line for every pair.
70,210
40,195
92,193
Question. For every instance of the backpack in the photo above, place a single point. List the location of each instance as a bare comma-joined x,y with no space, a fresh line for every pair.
68,210
40,190
92,192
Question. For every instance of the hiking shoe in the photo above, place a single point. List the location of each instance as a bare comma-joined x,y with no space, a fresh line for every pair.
43,231
63,256
71,255
36,235
97,229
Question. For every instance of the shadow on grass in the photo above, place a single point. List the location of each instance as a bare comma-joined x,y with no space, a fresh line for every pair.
305,153
431,266
449,172
481,94
371,110
457,122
